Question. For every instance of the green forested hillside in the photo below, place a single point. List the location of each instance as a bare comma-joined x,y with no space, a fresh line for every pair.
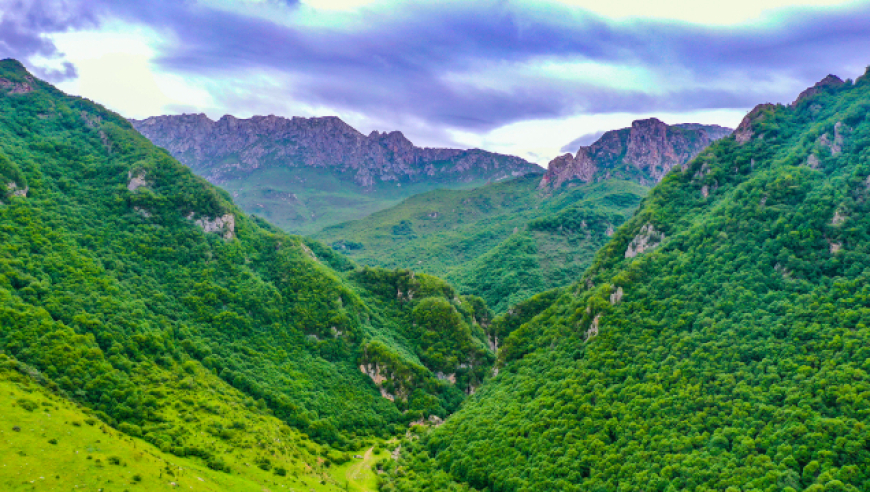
503,242
719,342
140,292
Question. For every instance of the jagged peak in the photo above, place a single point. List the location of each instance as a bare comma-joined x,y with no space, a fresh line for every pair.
743,133
829,81
647,122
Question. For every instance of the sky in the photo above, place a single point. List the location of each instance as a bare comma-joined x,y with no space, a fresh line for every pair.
530,78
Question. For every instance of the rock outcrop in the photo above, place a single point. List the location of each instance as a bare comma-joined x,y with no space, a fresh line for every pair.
827,82
230,147
379,377
224,225
645,152
647,239
745,131
15,190
17,87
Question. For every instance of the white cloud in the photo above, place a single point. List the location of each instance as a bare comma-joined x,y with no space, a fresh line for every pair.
540,141
116,70
697,11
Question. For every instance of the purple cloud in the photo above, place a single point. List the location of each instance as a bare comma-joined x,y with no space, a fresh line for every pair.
394,63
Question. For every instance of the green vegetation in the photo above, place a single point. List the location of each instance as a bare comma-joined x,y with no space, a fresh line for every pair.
503,242
85,452
730,354
304,200
140,292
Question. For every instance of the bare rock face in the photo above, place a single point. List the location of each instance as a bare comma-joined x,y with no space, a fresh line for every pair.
650,146
224,225
616,296
232,146
835,144
17,87
136,181
647,239
745,131
829,81
15,190
593,327
374,371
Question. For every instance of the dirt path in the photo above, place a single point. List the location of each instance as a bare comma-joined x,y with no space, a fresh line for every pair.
355,473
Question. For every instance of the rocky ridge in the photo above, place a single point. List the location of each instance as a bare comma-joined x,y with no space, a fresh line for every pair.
231,146
645,152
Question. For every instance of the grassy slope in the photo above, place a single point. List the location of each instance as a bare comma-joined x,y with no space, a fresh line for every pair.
304,200
62,446
502,241
737,359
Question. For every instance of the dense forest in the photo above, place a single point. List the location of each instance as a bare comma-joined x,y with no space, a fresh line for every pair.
503,242
717,343
140,292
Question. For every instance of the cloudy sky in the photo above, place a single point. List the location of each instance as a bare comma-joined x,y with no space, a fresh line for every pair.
522,77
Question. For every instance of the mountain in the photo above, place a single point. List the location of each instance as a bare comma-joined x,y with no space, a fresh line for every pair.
307,173
138,297
503,242
645,153
719,341
507,241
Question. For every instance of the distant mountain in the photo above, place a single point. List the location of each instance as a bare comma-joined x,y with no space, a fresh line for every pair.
504,241
306,173
510,240
645,152
718,342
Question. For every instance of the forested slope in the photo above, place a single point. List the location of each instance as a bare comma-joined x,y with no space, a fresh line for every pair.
719,342
503,242
123,275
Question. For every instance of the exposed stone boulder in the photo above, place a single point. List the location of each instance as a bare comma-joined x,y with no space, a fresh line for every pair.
374,371
451,377
225,225
835,144
646,240
593,327
616,296
137,181
15,190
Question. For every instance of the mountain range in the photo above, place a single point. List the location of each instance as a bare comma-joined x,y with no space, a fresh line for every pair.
307,173
153,335
510,240
717,342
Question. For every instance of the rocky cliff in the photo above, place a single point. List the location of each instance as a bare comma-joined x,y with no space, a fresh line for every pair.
230,147
645,153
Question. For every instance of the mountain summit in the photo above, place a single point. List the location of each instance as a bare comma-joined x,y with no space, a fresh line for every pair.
232,146
645,152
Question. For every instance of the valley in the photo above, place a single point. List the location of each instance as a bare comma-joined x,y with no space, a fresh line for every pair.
669,308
